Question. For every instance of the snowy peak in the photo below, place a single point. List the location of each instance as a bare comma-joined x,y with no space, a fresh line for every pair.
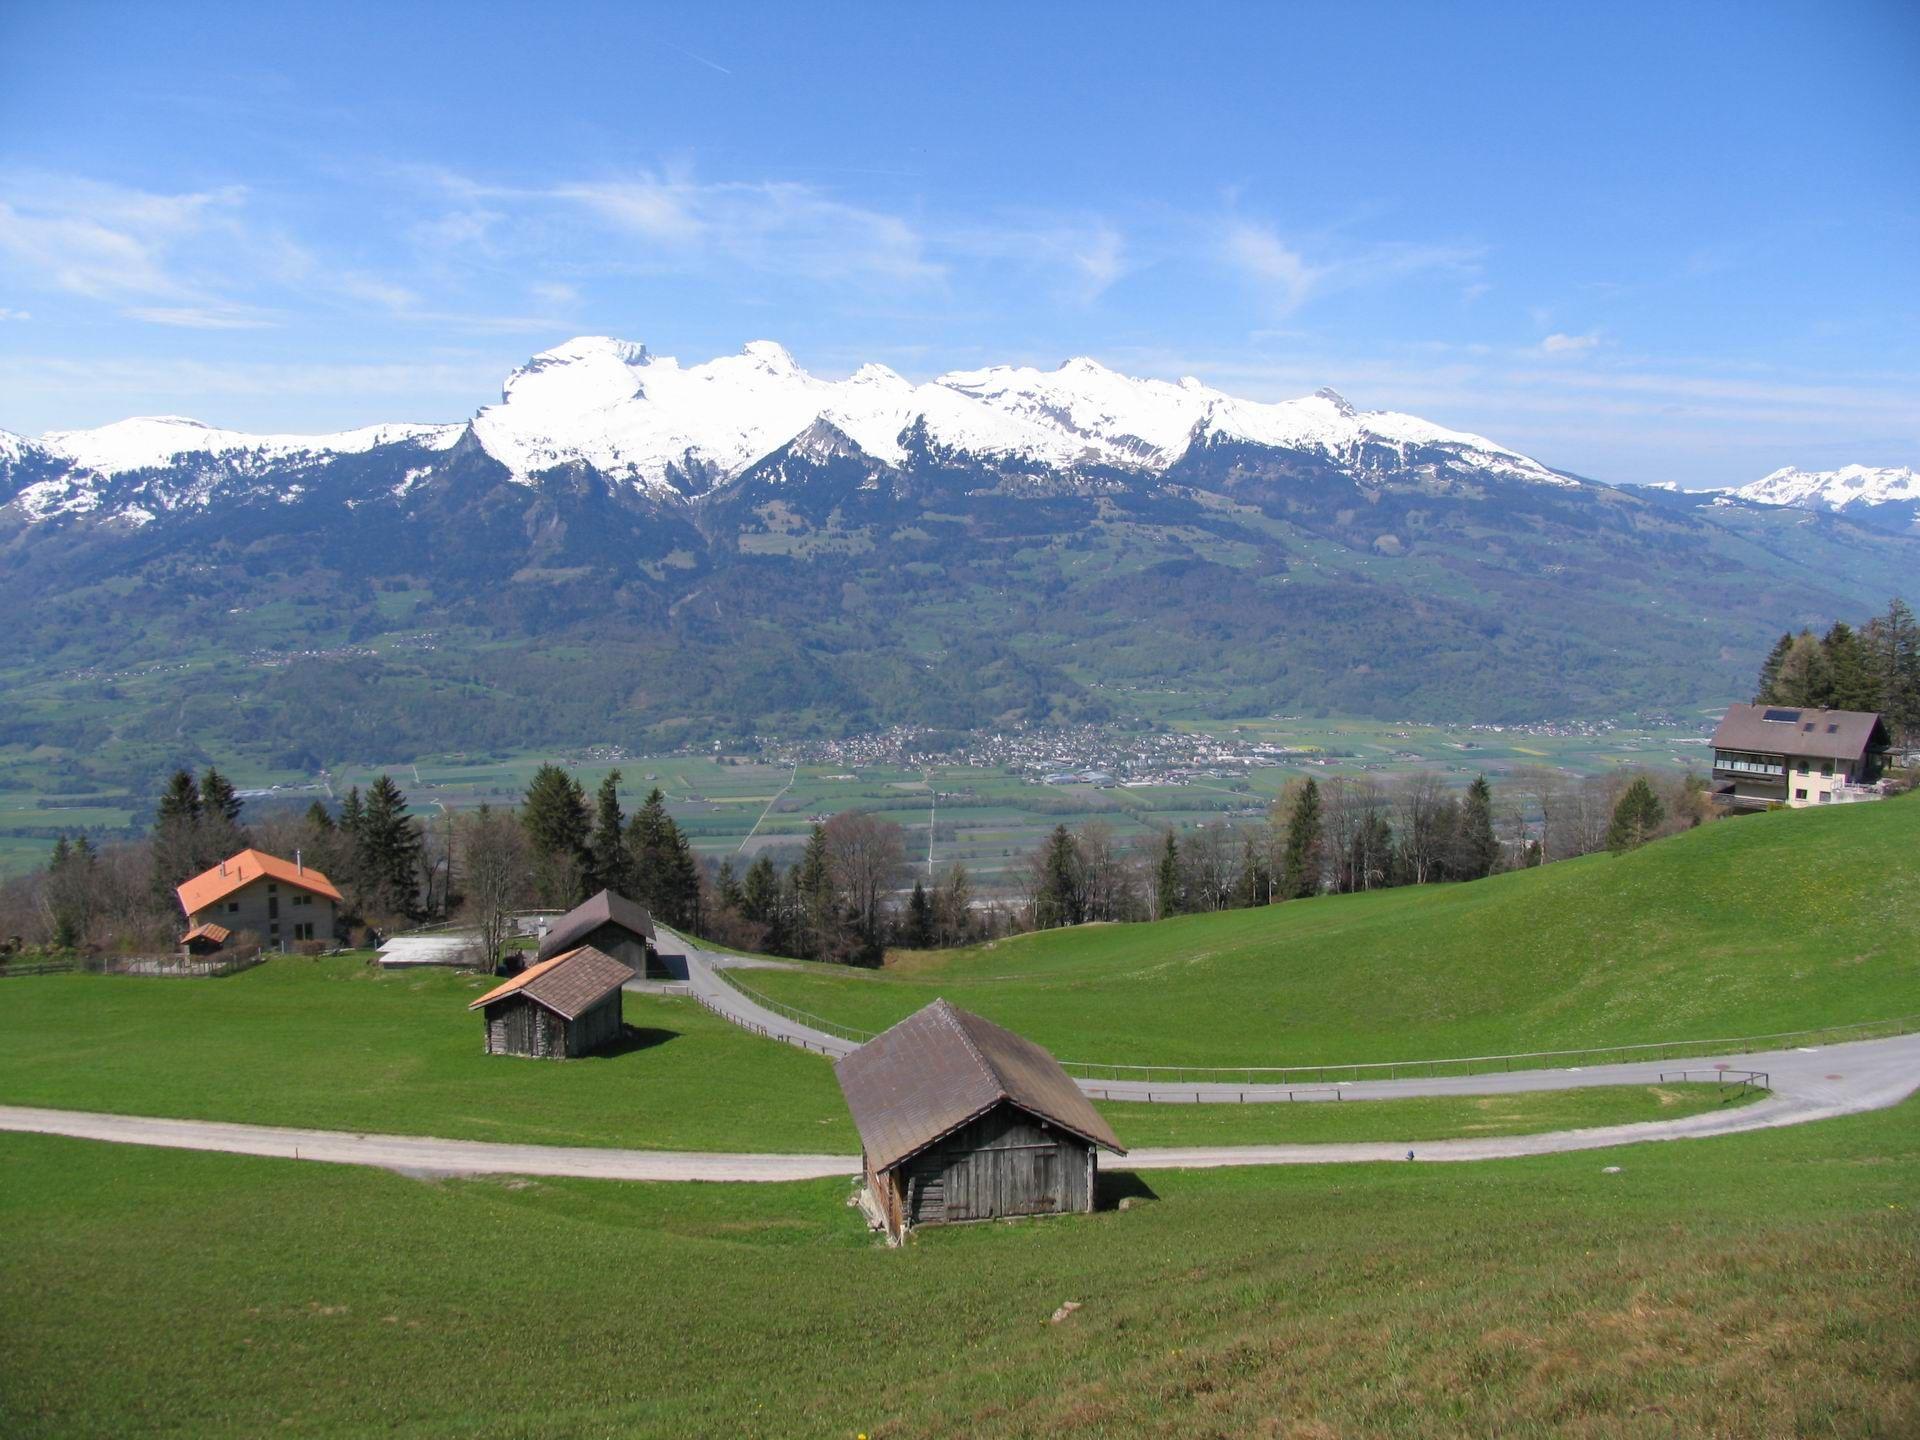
1834,489
149,442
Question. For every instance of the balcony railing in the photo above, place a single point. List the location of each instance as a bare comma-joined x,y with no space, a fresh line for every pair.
1749,767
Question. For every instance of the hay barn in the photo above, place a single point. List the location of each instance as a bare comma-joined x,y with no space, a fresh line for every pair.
962,1120
611,924
559,1009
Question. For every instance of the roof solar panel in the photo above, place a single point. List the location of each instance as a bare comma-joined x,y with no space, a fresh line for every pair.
1790,716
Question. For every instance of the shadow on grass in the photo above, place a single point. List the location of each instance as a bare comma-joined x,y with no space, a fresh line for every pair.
1113,1186
632,1038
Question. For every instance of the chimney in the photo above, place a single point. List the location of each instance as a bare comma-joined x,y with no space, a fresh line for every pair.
223,867
297,865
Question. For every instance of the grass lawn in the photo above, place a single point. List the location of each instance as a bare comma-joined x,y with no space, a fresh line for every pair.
334,1045
1770,923
1755,1285
1438,1118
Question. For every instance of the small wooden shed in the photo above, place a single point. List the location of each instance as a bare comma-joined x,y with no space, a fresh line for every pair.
556,1010
613,925
962,1120
205,939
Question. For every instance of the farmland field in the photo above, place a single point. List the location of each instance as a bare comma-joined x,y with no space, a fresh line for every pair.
987,815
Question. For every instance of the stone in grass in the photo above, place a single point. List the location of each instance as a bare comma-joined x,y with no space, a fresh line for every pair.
1610,1170
1064,1311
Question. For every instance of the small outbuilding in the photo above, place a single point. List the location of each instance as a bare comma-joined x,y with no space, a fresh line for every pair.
611,924
206,939
559,1009
962,1120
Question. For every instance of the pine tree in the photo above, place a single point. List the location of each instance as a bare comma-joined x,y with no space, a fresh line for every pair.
760,892
1892,642
1060,893
72,886
1851,682
1475,849
918,934
555,816
818,921
1636,818
611,868
650,852
683,882
176,836
390,850
953,907
1767,691
1301,870
726,889
1168,887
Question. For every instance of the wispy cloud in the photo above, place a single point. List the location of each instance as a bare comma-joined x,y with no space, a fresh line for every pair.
1291,273
1566,346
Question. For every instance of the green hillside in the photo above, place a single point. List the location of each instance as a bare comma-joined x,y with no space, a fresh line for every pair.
1770,923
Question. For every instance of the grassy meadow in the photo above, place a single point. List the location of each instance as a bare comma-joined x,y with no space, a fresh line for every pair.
1743,927
1755,1285
336,1045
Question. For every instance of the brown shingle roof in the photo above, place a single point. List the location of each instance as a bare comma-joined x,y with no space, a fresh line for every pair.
567,984
211,886
1800,730
218,934
942,1067
608,907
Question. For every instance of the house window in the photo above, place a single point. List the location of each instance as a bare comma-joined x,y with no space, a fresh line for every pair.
303,899
303,931
233,907
1826,796
1804,770
1826,767
272,889
1797,794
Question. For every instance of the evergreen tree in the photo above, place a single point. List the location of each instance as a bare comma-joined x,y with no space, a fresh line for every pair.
1892,642
817,928
1168,882
611,868
760,892
651,853
1301,867
683,882
218,798
1475,849
176,836
918,934
727,891
1767,691
220,833
389,851
1059,895
1635,818
557,824
1851,682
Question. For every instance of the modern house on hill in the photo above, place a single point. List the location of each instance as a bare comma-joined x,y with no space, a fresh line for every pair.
559,1009
1784,755
962,1120
610,923
281,901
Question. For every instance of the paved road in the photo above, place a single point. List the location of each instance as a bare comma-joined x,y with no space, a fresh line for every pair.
1807,1084
1802,1073
1838,1080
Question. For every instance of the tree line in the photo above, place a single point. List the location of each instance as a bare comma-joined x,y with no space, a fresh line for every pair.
1873,667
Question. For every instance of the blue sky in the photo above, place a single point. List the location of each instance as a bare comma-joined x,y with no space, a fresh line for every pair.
1641,242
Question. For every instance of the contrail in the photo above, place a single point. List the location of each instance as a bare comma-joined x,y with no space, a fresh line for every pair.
701,58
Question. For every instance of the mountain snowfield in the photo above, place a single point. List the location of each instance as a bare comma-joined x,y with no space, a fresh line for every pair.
685,431
1834,489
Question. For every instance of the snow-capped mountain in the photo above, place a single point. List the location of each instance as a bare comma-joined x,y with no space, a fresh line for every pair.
1834,489
671,431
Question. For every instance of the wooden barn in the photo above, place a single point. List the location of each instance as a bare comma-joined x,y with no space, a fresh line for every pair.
613,925
558,1009
962,1120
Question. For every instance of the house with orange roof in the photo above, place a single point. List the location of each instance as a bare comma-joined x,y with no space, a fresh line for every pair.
281,901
